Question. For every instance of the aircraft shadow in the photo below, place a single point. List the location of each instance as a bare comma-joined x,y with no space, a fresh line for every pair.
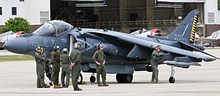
163,82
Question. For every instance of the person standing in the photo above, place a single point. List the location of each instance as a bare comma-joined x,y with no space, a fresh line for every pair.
65,59
156,58
40,59
99,58
55,57
75,58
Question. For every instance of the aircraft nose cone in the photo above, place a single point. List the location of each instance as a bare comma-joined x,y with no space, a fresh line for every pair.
18,45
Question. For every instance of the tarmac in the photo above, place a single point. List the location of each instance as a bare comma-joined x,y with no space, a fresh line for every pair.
18,78
6,52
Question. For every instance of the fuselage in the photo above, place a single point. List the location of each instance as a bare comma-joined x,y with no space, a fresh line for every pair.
27,44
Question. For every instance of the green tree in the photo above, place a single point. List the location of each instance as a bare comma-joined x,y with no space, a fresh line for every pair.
17,24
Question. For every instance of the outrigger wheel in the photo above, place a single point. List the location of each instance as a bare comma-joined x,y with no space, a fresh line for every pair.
172,80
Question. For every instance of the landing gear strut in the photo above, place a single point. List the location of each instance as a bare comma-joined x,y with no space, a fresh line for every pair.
172,79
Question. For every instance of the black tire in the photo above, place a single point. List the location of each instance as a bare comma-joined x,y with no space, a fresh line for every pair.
119,78
149,68
80,79
92,79
128,78
124,78
172,80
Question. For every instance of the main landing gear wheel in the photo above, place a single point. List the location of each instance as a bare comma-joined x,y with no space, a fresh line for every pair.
80,79
149,68
92,78
172,79
124,78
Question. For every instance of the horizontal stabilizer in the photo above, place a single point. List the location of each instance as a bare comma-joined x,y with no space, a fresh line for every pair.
199,49
192,47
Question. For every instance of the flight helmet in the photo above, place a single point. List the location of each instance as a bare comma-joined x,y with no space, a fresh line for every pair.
65,50
39,47
77,45
56,47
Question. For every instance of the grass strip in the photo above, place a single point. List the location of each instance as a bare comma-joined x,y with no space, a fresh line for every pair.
4,58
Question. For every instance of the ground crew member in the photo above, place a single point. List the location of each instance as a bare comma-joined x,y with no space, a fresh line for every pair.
156,58
65,59
40,67
75,58
48,68
55,57
99,58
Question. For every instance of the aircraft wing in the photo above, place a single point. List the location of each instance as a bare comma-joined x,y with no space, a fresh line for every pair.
147,44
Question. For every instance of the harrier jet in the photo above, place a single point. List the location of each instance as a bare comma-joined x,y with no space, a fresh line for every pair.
125,53
212,40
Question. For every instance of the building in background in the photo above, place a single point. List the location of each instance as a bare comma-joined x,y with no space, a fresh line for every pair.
127,15
35,11
212,14
120,15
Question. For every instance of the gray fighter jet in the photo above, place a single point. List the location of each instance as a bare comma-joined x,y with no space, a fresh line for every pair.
125,53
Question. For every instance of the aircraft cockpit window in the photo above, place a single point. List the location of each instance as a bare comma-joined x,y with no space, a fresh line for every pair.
45,30
61,27
53,28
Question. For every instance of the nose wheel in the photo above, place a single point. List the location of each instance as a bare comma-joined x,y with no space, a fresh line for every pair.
172,79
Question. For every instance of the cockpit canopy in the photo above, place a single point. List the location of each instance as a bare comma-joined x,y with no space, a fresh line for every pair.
53,28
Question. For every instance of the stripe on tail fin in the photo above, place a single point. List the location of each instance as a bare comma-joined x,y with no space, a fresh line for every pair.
192,36
185,32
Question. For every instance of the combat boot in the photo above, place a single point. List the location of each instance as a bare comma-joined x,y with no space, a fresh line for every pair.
157,82
105,84
152,82
100,85
46,86
51,83
39,87
77,89
57,86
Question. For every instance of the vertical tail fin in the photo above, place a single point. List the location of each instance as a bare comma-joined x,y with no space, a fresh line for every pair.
185,32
